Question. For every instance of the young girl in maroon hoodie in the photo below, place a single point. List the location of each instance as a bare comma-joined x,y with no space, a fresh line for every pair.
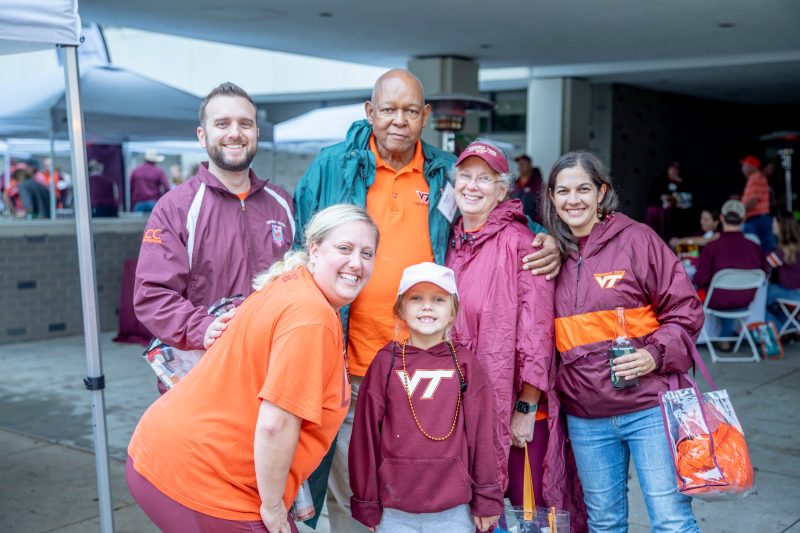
422,454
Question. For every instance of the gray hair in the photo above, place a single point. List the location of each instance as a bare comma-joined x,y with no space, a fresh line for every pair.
317,230
506,178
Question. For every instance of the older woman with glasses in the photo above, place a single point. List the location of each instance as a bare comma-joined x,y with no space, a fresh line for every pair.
506,319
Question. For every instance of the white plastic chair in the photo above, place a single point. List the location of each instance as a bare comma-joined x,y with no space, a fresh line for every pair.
790,309
732,279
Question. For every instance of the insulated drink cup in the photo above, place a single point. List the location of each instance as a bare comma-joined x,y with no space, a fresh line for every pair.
621,345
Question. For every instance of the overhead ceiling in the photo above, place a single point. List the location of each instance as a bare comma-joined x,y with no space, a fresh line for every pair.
741,50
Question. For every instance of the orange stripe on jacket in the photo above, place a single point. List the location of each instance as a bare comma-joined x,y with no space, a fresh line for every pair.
588,328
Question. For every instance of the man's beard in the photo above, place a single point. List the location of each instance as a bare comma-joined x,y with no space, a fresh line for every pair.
216,155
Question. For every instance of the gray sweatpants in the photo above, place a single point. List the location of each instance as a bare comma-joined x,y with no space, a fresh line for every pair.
455,520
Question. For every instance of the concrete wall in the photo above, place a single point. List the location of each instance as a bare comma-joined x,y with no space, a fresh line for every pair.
40,294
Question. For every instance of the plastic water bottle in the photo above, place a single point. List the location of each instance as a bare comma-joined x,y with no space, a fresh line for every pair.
621,345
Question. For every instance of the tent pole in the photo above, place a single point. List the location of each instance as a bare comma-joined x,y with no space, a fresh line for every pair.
95,381
126,175
7,176
52,173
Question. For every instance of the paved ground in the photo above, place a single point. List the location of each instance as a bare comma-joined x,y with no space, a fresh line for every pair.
47,473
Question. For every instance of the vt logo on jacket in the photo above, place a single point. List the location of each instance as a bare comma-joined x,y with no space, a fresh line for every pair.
607,280
435,377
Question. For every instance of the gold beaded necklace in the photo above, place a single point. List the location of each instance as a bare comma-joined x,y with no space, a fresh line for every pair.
410,403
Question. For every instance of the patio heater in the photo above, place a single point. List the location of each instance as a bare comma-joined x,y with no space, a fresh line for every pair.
449,111
784,140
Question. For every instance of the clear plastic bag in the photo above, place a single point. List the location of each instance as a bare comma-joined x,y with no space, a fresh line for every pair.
708,445
545,520
170,364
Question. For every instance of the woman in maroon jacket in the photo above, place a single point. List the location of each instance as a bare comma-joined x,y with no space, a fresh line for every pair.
784,259
506,319
614,262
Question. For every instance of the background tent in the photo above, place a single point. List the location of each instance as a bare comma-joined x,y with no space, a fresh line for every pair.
118,106
325,124
28,25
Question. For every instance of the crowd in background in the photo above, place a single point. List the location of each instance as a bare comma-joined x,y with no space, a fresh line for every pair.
516,367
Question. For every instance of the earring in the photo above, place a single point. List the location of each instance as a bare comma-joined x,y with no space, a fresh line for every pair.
312,267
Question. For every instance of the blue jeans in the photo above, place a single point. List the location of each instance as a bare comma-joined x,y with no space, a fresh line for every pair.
761,226
775,291
144,207
603,448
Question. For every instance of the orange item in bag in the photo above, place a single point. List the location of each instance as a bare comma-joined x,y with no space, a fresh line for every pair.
695,463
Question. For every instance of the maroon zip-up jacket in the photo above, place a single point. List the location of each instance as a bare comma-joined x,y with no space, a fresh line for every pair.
201,244
392,464
623,264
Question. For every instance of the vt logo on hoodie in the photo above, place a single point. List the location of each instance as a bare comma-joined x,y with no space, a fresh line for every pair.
435,377
607,280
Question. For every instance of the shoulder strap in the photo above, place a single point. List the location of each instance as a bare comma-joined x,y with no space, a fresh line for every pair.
698,365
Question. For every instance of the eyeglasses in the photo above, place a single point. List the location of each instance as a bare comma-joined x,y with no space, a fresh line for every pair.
482,180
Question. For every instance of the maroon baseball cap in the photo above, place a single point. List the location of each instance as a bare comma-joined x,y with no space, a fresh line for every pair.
493,157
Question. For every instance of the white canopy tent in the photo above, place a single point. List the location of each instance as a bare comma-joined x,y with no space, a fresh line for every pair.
28,25
324,124
119,106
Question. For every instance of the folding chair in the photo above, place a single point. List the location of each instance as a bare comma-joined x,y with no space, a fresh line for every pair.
732,279
790,309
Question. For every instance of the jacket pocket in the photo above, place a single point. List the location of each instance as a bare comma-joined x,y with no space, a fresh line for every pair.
442,482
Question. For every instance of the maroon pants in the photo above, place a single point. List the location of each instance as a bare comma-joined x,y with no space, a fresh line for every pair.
172,517
516,465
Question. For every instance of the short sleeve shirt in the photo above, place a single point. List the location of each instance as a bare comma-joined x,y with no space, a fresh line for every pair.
757,188
195,443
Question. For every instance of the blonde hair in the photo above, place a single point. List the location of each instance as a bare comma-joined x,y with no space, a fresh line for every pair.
399,309
316,231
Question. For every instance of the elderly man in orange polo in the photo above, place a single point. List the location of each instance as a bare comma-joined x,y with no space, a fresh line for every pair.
402,181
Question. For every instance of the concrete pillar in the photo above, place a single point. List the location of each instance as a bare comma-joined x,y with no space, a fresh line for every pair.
559,111
445,74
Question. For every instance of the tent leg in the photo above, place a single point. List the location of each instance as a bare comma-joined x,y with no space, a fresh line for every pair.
52,174
7,173
91,330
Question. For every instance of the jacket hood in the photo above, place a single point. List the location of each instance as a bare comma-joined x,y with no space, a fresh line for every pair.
604,232
501,216
357,137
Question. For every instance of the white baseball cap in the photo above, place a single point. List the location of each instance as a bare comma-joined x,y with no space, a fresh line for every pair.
439,275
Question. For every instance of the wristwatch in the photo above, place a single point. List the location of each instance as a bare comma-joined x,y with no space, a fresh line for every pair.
525,407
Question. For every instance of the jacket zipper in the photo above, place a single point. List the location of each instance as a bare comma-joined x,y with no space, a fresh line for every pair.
242,202
578,281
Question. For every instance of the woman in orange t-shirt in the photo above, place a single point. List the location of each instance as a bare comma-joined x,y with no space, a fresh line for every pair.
228,447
